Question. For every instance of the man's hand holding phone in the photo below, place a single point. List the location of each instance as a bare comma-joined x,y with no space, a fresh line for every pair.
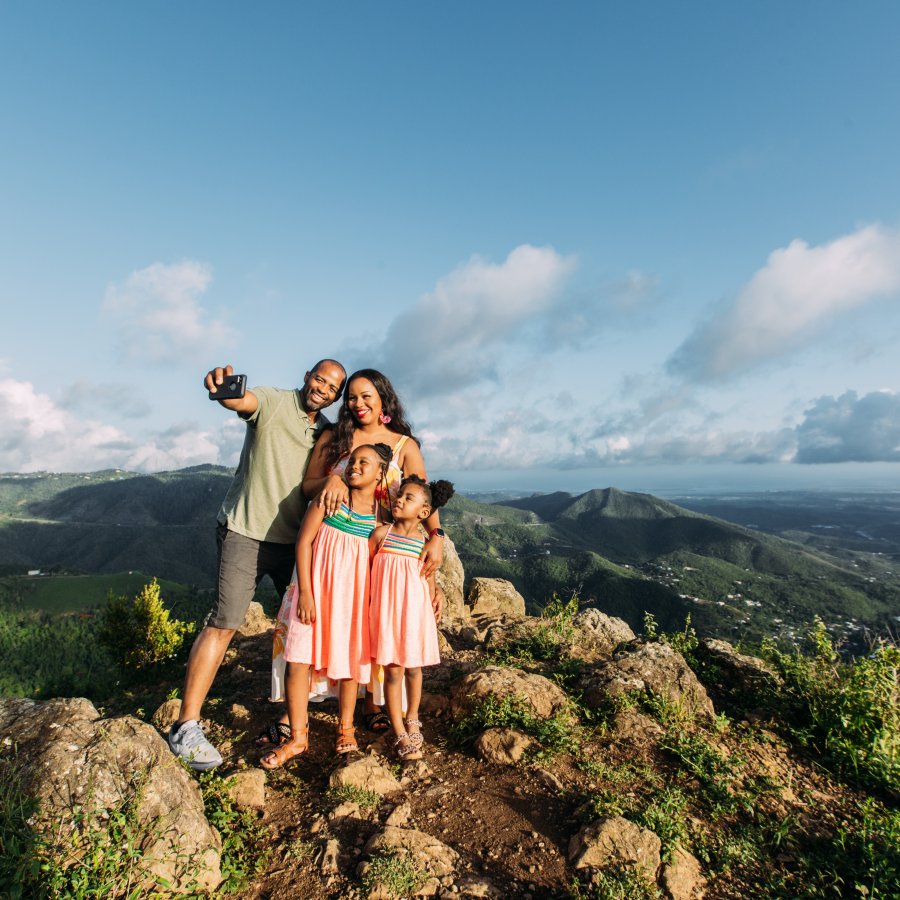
230,390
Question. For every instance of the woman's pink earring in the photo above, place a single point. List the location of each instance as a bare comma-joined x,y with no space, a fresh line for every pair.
385,420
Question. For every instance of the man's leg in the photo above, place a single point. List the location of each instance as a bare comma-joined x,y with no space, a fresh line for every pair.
203,664
238,577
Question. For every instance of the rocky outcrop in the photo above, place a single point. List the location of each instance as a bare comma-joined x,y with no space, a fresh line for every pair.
614,841
427,855
538,694
256,621
598,634
450,578
495,597
503,746
366,773
68,758
681,877
655,668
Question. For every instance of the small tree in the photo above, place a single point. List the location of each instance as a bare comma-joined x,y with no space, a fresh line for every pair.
138,630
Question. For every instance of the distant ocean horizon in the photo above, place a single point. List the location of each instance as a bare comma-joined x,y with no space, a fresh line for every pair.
683,480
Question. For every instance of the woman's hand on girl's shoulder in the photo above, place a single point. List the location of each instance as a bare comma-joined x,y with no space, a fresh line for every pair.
333,494
432,555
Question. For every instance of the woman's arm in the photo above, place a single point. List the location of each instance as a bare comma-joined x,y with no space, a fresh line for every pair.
412,463
309,528
331,489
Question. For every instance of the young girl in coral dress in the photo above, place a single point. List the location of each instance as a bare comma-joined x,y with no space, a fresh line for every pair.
403,607
328,631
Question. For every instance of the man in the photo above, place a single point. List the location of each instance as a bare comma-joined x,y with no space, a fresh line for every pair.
257,530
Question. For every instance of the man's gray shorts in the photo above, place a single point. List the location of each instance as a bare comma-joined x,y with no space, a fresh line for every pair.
243,562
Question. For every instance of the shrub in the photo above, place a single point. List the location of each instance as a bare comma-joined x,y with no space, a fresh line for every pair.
138,630
847,710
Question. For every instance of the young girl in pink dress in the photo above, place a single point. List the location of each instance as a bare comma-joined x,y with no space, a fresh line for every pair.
403,608
328,630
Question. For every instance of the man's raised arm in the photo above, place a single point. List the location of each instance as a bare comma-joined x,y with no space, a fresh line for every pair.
245,406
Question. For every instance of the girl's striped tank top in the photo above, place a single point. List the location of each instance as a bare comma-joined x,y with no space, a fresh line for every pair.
402,546
350,522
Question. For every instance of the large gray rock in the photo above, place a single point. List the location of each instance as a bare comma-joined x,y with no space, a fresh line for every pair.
681,878
537,693
653,667
67,756
494,596
503,746
600,634
614,841
366,773
450,578
256,621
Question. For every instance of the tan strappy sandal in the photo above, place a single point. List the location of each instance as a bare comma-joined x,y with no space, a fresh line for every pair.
296,746
346,739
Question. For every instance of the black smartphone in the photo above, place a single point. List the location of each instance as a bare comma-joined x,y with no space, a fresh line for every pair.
233,387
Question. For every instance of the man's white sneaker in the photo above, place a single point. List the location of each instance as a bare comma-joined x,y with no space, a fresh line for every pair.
190,744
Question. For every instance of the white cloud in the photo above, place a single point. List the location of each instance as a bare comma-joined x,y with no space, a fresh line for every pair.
851,429
39,435
157,314
121,399
449,338
788,302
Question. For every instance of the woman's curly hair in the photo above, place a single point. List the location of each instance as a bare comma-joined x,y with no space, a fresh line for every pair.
342,431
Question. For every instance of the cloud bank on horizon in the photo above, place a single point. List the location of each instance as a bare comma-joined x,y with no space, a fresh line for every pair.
514,364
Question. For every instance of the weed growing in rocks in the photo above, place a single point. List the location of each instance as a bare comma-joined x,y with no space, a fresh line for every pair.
847,710
615,884
394,874
245,846
556,734
345,793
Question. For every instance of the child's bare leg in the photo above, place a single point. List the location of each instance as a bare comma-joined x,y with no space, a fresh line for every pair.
297,691
296,688
393,695
413,699
346,740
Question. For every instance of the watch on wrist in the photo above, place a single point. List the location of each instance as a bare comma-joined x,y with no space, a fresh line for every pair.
436,531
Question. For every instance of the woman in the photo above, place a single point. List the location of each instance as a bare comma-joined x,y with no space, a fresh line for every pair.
371,413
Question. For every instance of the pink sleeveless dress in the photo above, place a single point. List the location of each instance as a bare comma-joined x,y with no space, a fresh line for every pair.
337,645
404,631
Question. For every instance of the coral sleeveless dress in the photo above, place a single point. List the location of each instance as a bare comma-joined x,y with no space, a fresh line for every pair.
404,631
337,645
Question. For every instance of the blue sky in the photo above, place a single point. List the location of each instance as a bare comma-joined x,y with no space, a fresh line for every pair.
641,244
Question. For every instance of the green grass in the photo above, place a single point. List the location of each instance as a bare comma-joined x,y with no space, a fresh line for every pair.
394,873
73,593
345,793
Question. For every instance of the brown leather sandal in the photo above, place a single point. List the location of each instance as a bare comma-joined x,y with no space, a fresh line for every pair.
346,739
296,746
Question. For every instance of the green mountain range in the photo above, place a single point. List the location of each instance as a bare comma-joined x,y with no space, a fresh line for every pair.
627,553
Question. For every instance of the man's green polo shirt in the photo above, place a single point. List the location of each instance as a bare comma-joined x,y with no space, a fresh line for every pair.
265,500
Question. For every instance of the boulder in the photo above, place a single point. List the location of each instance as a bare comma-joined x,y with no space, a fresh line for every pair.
434,859
67,756
494,596
600,634
367,773
681,878
256,621
537,693
653,667
166,715
614,841
247,789
742,679
503,746
450,578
